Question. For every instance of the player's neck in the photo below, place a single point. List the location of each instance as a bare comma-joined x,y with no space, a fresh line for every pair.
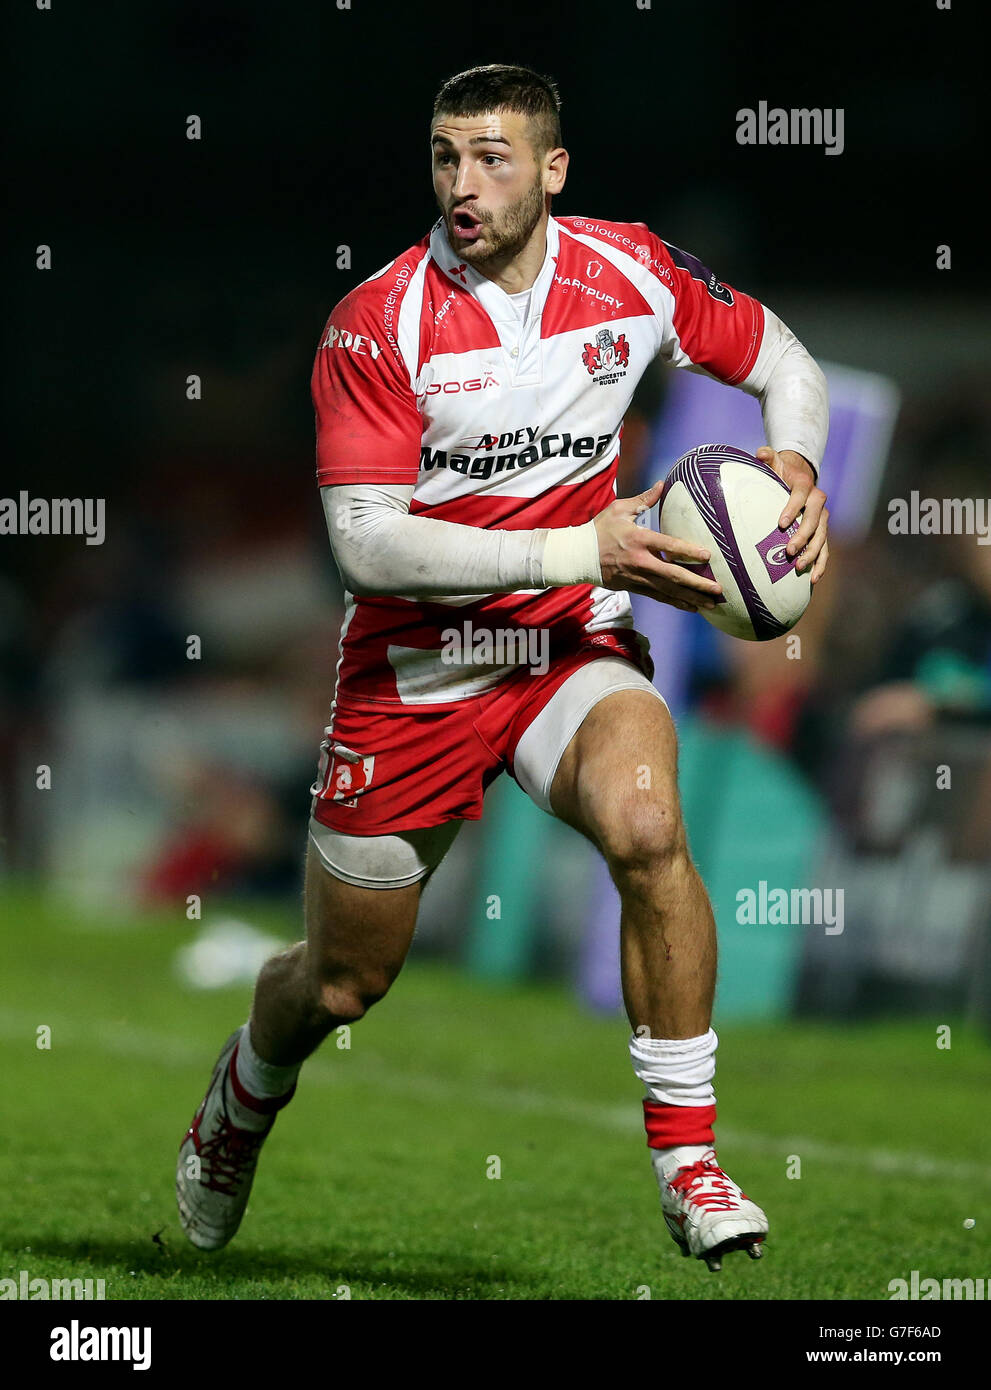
521,271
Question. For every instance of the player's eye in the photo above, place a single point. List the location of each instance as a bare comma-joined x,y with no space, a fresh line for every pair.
441,158
494,157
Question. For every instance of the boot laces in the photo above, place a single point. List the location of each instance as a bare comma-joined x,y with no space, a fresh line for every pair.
705,1185
229,1155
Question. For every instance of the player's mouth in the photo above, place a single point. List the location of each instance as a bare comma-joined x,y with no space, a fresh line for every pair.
467,227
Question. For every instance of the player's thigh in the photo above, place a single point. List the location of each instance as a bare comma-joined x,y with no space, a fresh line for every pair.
362,895
616,780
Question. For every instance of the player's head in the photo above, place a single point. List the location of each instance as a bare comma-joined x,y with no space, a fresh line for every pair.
497,158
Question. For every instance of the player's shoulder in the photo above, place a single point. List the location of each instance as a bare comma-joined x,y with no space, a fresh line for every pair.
677,270
376,299
635,238
639,248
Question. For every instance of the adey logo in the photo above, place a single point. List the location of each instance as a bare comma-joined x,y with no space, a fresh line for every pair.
358,343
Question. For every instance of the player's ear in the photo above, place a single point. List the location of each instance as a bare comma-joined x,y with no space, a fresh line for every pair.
555,170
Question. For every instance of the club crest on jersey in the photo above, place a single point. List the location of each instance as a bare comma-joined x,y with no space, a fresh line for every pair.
607,356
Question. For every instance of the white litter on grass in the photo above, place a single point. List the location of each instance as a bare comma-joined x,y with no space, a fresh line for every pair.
225,953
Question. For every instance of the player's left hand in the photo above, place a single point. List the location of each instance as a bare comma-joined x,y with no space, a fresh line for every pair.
810,538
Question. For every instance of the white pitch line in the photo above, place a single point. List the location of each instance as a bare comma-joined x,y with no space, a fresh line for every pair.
128,1041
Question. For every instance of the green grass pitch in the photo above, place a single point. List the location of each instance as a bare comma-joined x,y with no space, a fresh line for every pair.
375,1180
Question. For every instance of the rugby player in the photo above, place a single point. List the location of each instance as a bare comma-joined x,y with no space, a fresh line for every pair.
469,403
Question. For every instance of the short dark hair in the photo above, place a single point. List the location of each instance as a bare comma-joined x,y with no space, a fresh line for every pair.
505,87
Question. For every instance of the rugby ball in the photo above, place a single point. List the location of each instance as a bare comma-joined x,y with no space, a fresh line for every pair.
729,502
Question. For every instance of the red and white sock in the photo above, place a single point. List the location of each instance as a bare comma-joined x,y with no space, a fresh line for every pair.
679,1105
258,1089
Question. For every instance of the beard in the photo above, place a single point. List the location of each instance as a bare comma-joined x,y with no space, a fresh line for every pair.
505,236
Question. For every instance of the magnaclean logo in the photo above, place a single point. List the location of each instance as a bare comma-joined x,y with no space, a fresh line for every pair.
483,467
451,388
353,342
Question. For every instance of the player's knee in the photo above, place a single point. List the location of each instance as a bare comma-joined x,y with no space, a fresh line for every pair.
643,840
345,996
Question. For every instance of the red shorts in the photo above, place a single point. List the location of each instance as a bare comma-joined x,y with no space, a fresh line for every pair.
403,768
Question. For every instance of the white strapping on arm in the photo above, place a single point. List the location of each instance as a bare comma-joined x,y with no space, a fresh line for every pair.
381,549
793,394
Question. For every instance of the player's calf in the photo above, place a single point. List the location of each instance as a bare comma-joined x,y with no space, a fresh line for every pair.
299,1001
356,942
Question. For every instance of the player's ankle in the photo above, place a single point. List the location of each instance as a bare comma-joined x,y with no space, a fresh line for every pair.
666,1162
259,1088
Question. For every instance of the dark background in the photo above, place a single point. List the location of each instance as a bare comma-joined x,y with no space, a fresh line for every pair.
218,256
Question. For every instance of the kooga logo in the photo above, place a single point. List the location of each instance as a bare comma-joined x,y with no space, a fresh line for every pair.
450,388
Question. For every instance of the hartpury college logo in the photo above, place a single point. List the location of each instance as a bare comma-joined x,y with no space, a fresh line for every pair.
608,353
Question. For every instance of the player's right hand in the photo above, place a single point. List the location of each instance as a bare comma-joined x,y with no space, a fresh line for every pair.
640,561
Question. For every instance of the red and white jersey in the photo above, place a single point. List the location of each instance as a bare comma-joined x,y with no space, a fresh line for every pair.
426,376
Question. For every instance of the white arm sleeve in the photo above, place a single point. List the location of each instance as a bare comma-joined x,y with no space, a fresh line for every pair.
792,390
381,550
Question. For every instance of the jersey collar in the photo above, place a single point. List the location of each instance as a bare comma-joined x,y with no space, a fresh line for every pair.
496,301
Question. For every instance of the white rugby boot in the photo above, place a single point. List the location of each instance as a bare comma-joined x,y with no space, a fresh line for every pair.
217,1159
706,1213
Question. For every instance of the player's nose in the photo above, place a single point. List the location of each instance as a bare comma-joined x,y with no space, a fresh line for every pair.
463,183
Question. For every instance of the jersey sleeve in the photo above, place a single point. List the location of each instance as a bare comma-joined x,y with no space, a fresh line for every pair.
711,327
367,423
